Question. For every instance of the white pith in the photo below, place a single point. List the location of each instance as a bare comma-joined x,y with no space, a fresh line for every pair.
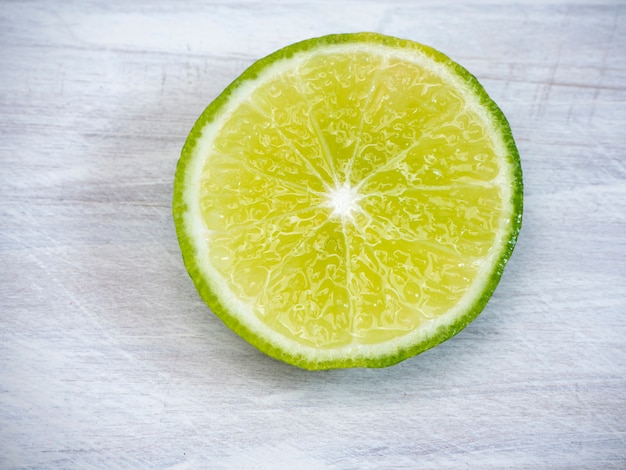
343,201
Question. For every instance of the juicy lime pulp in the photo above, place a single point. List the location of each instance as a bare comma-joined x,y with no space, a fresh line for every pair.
349,201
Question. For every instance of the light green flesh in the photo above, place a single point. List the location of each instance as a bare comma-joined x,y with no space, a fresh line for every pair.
352,199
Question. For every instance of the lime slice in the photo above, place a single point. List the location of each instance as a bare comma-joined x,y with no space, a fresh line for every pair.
349,201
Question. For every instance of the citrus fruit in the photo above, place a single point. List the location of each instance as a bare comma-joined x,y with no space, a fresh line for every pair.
349,201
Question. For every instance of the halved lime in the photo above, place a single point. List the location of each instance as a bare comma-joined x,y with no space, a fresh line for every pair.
349,201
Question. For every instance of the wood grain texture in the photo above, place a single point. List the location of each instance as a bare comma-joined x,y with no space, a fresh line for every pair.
109,359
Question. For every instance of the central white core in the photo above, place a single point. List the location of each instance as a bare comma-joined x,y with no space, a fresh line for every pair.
343,200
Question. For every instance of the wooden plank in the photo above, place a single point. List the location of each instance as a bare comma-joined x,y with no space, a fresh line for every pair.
108,358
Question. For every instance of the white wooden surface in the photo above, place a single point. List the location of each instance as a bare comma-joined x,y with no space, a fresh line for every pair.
109,359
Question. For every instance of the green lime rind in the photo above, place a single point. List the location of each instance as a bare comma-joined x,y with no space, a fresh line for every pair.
443,333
